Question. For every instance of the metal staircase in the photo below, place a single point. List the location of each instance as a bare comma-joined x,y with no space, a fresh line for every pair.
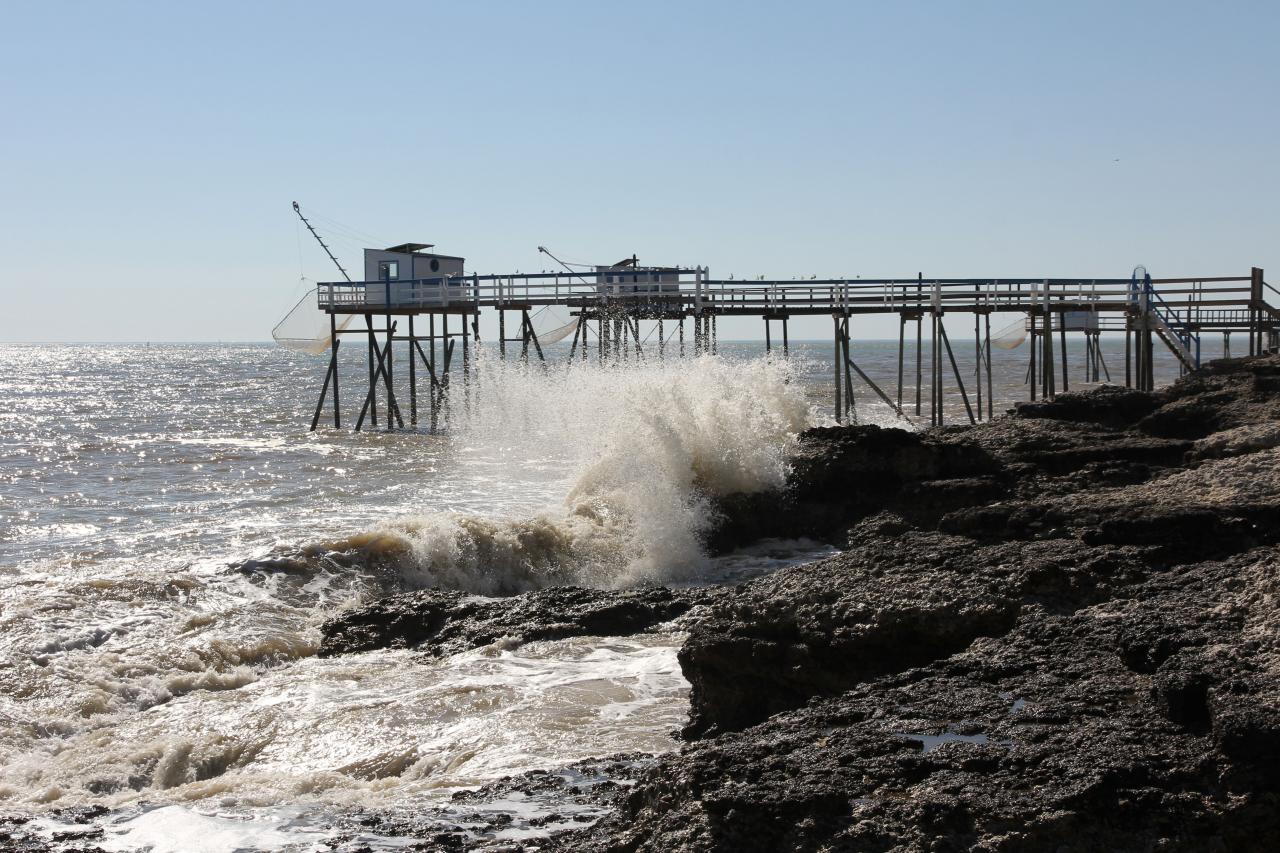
1180,337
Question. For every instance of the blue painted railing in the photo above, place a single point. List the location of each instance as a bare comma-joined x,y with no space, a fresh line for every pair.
1183,331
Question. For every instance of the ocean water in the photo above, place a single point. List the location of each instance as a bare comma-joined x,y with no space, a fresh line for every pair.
144,668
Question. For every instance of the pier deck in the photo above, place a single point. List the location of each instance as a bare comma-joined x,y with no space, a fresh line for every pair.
608,307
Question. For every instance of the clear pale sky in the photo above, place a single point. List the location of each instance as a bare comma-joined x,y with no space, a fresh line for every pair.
150,151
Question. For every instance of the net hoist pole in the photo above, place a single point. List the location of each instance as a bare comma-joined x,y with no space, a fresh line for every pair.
298,211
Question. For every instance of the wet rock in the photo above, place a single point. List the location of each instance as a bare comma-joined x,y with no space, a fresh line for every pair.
1042,738
843,474
443,622
1108,406
1071,643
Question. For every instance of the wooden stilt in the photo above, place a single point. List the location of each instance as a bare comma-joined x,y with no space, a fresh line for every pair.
386,372
977,361
1046,338
1031,370
380,372
902,329
1062,340
1128,351
836,351
986,322
577,332
919,339
413,379
935,390
329,376
333,336
946,342
373,350
533,337
850,363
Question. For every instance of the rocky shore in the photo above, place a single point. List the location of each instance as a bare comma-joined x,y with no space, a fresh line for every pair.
1055,631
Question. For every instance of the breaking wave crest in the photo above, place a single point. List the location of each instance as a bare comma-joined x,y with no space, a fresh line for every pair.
640,451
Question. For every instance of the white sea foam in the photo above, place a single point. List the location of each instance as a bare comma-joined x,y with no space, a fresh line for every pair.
136,671
366,730
641,449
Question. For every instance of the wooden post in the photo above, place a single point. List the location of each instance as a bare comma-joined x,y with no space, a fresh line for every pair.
386,372
1062,339
768,341
333,333
934,395
942,330
446,347
786,345
577,333
329,373
1255,311
1031,370
1047,339
986,322
850,411
533,336
635,335
413,379
902,330
434,396
1128,349
977,359
435,383
466,363
919,338
373,396
836,345
380,371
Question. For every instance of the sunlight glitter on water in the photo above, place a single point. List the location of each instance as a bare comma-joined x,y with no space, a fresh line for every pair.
139,672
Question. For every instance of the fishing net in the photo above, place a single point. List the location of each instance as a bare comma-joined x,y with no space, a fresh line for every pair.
306,327
553,324
1011,336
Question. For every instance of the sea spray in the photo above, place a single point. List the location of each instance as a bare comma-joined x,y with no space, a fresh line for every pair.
642,449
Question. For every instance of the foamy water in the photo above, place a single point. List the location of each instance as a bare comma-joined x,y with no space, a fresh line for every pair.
142,673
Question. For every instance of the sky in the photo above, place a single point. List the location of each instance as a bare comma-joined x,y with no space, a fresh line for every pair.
150,151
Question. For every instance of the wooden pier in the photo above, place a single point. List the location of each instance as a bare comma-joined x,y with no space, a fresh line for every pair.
437,319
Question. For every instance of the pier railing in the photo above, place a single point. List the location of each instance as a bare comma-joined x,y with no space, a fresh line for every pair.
608,310
1182,301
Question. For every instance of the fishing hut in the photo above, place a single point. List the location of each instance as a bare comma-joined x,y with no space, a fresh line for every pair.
430,304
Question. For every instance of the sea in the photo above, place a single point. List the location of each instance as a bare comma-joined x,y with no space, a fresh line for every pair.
159,683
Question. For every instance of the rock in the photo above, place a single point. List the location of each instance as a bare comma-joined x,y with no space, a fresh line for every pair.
1042,738
442,622
1057,631
842,474
1109,406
